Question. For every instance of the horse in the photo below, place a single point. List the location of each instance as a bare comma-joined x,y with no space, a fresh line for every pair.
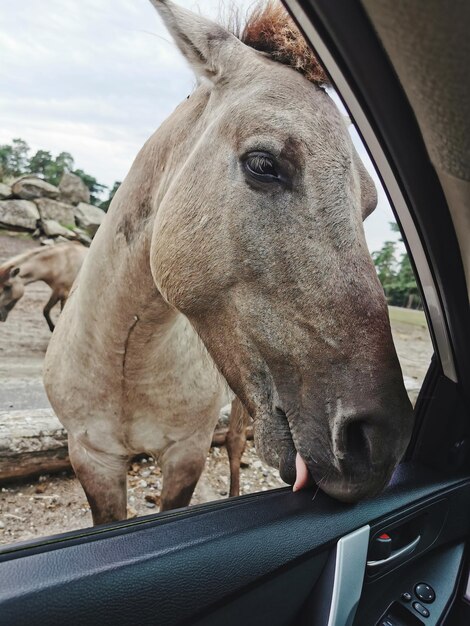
56,265
234,254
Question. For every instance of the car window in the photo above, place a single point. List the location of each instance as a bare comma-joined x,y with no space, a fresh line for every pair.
55,192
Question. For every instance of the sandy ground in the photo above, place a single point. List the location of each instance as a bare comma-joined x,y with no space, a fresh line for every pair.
54,504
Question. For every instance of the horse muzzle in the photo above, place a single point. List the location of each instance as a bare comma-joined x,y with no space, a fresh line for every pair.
361,456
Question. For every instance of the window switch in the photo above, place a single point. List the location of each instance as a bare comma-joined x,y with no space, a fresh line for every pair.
419,608
399,615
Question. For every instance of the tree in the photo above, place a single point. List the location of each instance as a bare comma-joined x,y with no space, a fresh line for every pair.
13,159
385,264
406,287
397,277
64,161
5,160
50,168
56,168
105,204
19,156
39,163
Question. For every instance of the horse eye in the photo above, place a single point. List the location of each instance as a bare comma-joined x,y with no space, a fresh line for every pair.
7,288
261,166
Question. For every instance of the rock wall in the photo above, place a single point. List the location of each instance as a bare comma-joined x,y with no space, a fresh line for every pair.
30,204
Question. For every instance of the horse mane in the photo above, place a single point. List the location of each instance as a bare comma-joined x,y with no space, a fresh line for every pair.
270,29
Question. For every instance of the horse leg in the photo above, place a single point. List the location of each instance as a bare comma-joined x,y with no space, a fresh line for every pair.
235,443
103,477
182,464
47,310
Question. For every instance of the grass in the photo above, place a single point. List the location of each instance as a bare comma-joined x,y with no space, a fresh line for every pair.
407,316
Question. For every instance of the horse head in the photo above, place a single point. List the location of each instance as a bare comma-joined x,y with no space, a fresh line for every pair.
258,240
11,290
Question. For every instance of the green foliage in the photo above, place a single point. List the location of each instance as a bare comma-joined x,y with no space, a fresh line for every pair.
385,264
105,204
50,168
5,162
396,276
406,289
15,161
39,163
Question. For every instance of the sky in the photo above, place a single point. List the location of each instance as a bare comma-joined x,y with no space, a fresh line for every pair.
96,78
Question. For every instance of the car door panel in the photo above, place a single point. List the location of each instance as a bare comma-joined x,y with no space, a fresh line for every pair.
440,569
184,565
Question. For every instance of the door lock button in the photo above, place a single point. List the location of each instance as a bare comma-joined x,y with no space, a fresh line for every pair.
422,610
406,597
425,593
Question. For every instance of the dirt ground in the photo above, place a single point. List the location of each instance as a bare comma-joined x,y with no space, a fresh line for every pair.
54,504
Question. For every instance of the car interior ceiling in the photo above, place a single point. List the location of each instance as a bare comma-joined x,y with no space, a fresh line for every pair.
277,557
430,58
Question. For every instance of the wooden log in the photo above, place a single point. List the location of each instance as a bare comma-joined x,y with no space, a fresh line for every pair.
34,442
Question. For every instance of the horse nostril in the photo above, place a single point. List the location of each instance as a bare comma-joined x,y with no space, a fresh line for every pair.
356,440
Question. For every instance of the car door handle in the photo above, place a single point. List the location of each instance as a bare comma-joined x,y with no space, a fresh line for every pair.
396,557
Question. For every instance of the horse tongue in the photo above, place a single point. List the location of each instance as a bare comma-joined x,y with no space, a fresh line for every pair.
302,476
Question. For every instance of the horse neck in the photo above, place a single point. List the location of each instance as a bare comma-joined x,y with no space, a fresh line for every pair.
116,312
27,264
35,268
118,263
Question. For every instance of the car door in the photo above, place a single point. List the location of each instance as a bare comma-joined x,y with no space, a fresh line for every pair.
283,558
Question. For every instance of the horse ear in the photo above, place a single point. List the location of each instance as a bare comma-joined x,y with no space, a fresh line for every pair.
368,190
204,43
14,272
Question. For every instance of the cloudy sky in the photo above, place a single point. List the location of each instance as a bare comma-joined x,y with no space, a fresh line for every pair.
95,78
